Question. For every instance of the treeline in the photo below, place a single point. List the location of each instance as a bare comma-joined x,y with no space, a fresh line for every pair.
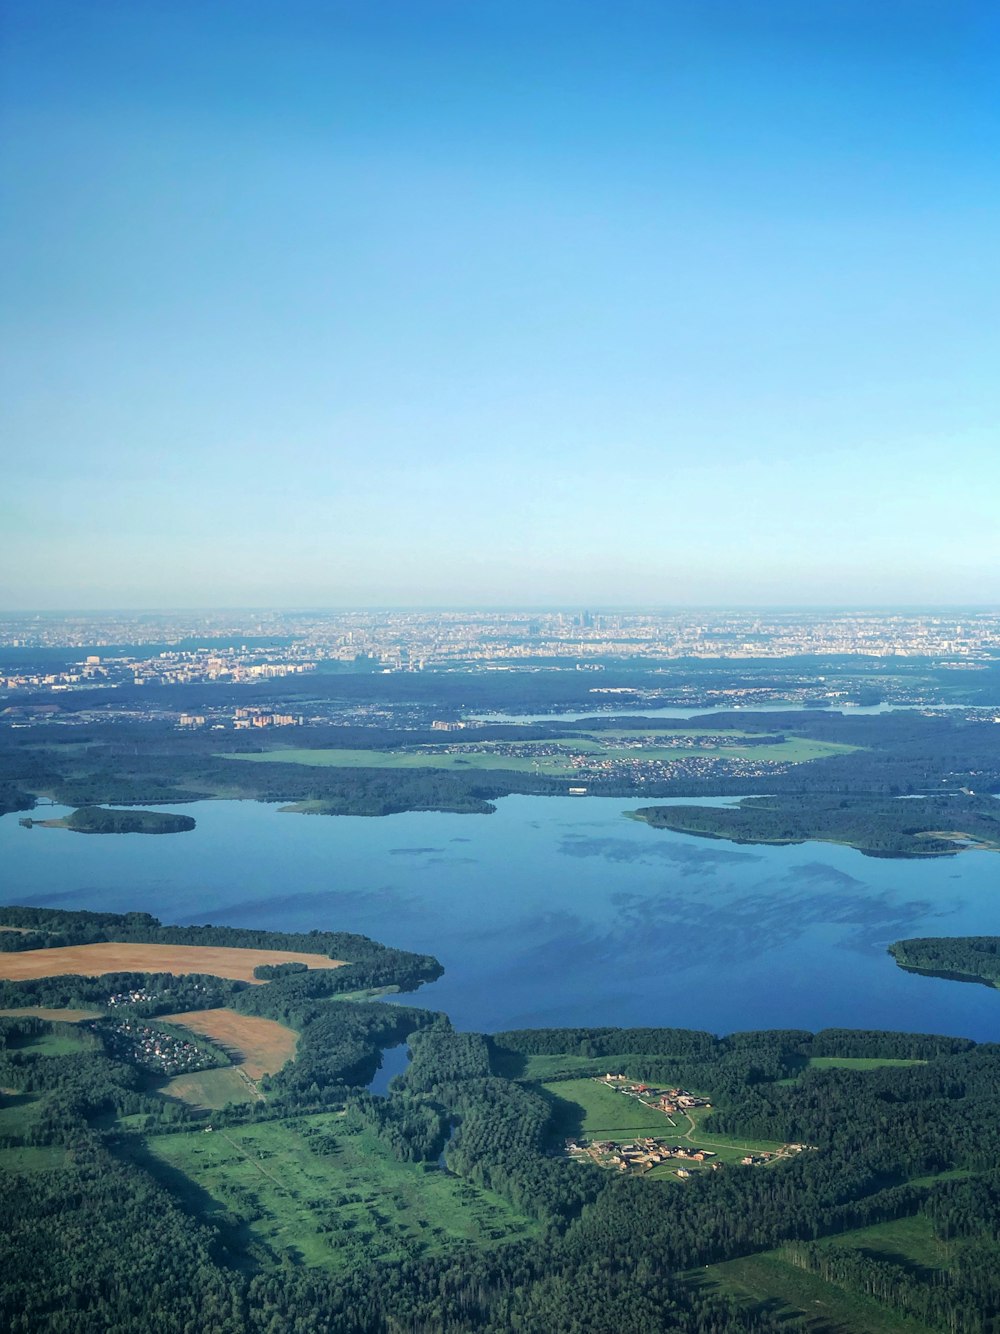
270,972
962,958
877,826
168,992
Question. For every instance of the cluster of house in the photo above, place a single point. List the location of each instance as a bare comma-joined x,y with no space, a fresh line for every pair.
143,996
154,1049
664,1100
129,998
639,1156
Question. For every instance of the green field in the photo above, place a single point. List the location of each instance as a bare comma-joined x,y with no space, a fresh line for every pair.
590,749
596,1112
328,1194
545,1066
209,1089
910,1240
61,1040
40,1159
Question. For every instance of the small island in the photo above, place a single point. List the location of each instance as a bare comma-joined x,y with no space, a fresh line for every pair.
100,820
878,826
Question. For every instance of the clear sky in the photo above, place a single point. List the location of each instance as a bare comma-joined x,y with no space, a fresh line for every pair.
499,301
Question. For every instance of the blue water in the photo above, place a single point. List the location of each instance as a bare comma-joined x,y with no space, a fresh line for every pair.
393,1062
557,910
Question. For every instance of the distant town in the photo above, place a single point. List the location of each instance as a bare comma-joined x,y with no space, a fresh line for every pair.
248,648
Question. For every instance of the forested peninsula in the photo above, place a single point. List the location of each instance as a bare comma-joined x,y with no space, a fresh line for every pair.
959,958
878,826
99,820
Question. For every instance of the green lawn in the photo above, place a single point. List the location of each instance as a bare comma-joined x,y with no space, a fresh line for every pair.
17,1111
330,1194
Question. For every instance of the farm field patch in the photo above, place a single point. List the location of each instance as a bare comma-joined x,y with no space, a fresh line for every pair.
330,1194
118,957
258,1046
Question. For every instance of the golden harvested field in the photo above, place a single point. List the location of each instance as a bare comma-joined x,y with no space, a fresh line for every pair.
258,1046
53,1016
113,957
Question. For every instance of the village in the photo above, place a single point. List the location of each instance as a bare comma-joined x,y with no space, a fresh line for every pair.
645,1152
639,1156
154,1049
666,1100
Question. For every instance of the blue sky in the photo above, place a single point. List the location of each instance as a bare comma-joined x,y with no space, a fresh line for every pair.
499,303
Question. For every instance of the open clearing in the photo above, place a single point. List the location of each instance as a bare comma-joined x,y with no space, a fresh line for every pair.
116,957
330,1194
208,1090
54,1016
575,754
858,1062
258,1046
767,1282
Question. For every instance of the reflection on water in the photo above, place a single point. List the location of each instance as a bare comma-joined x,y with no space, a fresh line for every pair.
557,910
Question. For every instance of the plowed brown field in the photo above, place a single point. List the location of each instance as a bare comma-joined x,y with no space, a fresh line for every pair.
112,957
258,1046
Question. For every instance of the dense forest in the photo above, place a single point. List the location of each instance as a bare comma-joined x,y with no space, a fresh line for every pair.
877,826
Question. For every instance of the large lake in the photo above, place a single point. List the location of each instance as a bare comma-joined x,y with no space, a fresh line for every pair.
557,910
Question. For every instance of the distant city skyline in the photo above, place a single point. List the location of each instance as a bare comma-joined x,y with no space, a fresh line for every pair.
511,305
